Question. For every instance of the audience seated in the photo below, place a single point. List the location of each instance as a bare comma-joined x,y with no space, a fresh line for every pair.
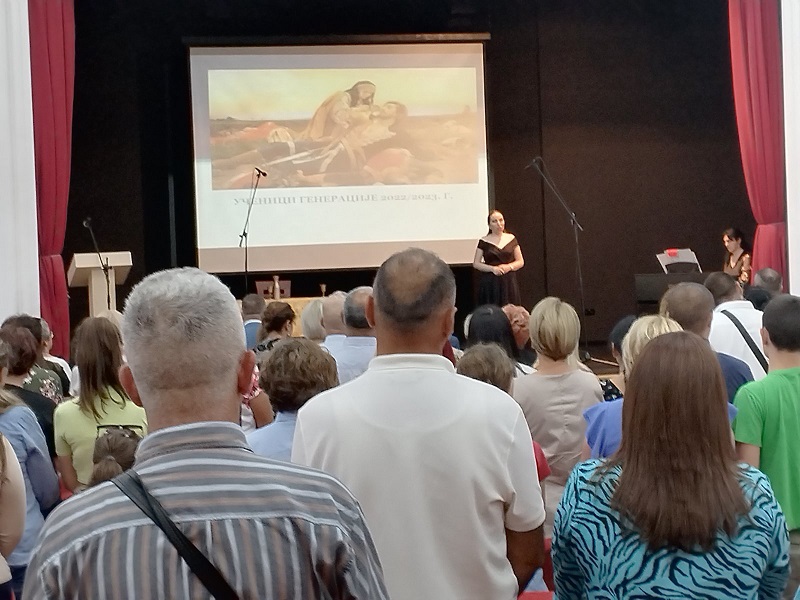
519,317
253,306
114,453
692,306
21,357
441,464
725,335
12,513
671,515
19,427
311,321
102,403
273,530
604,421
554,397
613,386
489,324
358,347
294,372
767,428
40,378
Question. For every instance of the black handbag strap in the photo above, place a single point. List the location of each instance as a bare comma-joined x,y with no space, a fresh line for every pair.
131,485
762,360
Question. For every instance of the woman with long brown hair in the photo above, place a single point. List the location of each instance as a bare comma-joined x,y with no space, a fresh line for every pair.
102,403
671,514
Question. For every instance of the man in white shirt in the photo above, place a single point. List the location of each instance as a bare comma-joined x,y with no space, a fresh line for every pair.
442,465
725,337
333,321
358,346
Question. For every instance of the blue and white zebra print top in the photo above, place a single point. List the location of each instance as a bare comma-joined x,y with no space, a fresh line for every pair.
594,558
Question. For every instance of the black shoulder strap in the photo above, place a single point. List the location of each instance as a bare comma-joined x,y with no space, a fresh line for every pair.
762,360
131,485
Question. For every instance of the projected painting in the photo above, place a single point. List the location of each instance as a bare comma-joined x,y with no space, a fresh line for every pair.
344,127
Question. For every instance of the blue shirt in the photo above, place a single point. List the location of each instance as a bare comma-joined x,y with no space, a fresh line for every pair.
19,425
604,426
736,373
594,556
275,440
250,332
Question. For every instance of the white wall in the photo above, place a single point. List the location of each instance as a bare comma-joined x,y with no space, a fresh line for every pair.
19,263
790,17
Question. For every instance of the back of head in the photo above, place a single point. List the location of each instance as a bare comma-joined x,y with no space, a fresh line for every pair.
758,297
410,287
114,453
691,305
98,356
113,316
643,330
7,399
619,331
22,349
723,287
32,324
488,363
311,320
183,331
489,325
555,328
676,449
253,305
333,313
274,318
295,371
768,279
519,319
782,322
355,308
47,334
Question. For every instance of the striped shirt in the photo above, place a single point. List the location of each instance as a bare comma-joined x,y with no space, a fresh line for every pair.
273,529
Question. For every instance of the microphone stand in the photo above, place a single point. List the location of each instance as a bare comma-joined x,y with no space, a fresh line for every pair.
243,236
103,265
576,230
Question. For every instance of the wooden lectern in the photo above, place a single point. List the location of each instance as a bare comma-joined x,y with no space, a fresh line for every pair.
86,270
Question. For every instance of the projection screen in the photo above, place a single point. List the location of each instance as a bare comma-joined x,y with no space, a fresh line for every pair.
367,149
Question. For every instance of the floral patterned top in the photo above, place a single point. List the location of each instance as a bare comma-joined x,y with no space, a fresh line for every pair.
44,382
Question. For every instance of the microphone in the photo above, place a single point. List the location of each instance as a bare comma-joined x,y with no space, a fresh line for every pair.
87,222
260,172
534,162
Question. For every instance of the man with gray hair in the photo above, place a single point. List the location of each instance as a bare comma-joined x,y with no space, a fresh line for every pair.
358,347
270,529
333,321
442,465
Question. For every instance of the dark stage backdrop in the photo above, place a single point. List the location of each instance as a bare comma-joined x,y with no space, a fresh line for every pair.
629,102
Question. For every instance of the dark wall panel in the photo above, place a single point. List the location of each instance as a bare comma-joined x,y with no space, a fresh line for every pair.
629,102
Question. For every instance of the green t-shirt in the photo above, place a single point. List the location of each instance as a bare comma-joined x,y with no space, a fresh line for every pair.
769,417
76,432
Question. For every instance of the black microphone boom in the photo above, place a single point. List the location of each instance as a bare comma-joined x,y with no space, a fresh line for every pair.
87,222
260,172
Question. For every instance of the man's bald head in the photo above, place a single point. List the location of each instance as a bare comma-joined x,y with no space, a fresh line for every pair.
691,305
333,313
411,287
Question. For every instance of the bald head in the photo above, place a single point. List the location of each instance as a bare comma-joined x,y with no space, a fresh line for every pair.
333,313
691,305
769,279
411,287
355,311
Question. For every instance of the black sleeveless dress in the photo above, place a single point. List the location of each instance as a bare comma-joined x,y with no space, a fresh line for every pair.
498,289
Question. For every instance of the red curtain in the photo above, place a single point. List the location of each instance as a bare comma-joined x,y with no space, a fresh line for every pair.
52,37
757,90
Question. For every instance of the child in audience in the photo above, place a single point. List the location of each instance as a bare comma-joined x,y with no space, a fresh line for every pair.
114,453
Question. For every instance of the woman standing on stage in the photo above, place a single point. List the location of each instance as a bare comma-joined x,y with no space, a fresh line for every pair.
498,257
737,258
